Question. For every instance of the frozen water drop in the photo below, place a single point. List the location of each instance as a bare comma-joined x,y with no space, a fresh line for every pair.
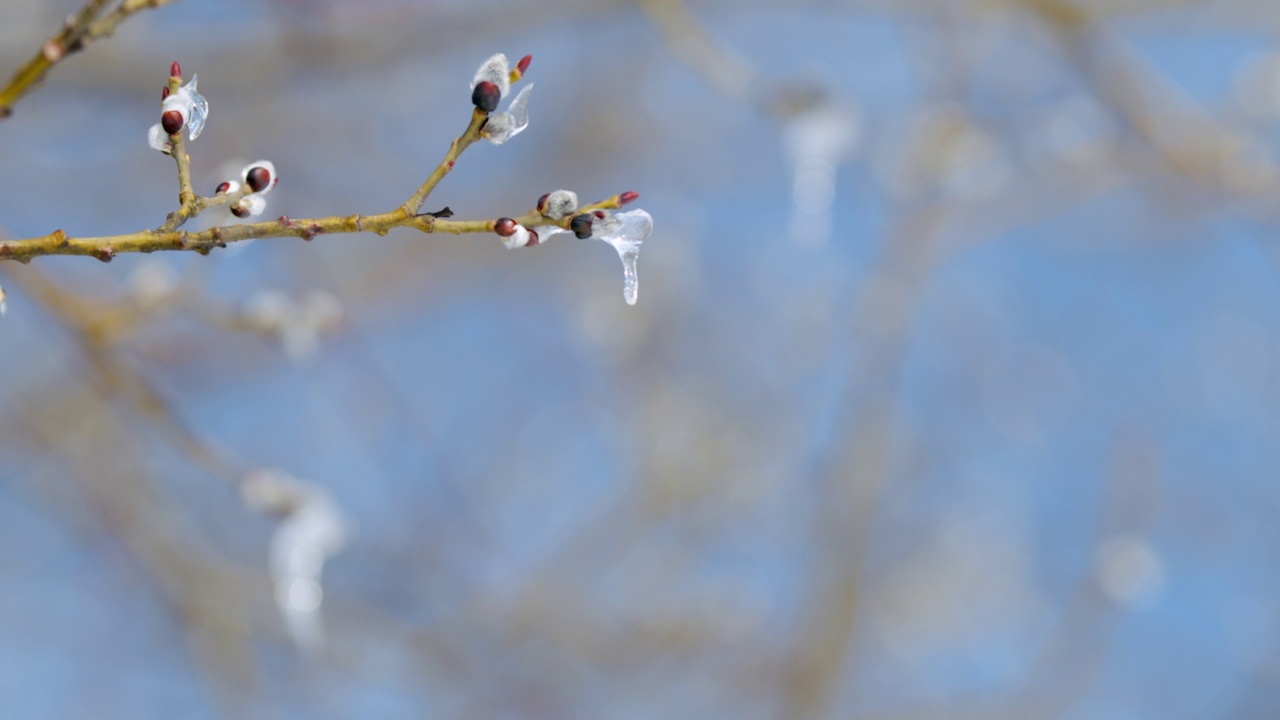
199,109
626,235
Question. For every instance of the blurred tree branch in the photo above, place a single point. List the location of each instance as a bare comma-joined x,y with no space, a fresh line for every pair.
78,32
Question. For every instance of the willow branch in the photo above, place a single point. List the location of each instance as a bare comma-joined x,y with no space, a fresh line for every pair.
146,241
77,32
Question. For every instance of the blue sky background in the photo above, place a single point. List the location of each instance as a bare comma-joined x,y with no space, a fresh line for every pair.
1003,445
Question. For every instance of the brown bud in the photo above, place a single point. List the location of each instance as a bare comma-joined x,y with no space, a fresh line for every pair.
240,212
485,96
172,122
175,70
581,226
164,94
222,187
506,227
542,203
258,178
533,239
628,197
523,65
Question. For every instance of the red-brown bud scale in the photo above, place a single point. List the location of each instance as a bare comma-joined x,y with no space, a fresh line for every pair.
581,226
172,121
257,178
506,227
485,96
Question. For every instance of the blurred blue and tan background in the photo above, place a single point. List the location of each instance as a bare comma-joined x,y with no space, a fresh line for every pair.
953,388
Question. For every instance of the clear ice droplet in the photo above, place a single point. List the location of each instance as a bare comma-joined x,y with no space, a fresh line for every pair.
505,125
199,109
626,235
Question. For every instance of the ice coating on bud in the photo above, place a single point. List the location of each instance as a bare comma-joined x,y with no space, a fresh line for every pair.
546,232
495,70
185,108
503,126
560,204
199,109
626,232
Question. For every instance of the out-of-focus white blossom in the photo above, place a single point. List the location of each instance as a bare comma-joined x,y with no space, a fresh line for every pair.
298,323
153,282
193,108
817,141
311,530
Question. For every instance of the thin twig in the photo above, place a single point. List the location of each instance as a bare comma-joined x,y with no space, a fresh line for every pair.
464,141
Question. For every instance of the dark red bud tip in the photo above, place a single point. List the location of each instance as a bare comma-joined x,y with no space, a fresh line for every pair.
240,212
628,197
523,65
222,187
175,70
533,239
600,214
581,226
164,94
257,178
171,121
542,203
506,227
485,96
